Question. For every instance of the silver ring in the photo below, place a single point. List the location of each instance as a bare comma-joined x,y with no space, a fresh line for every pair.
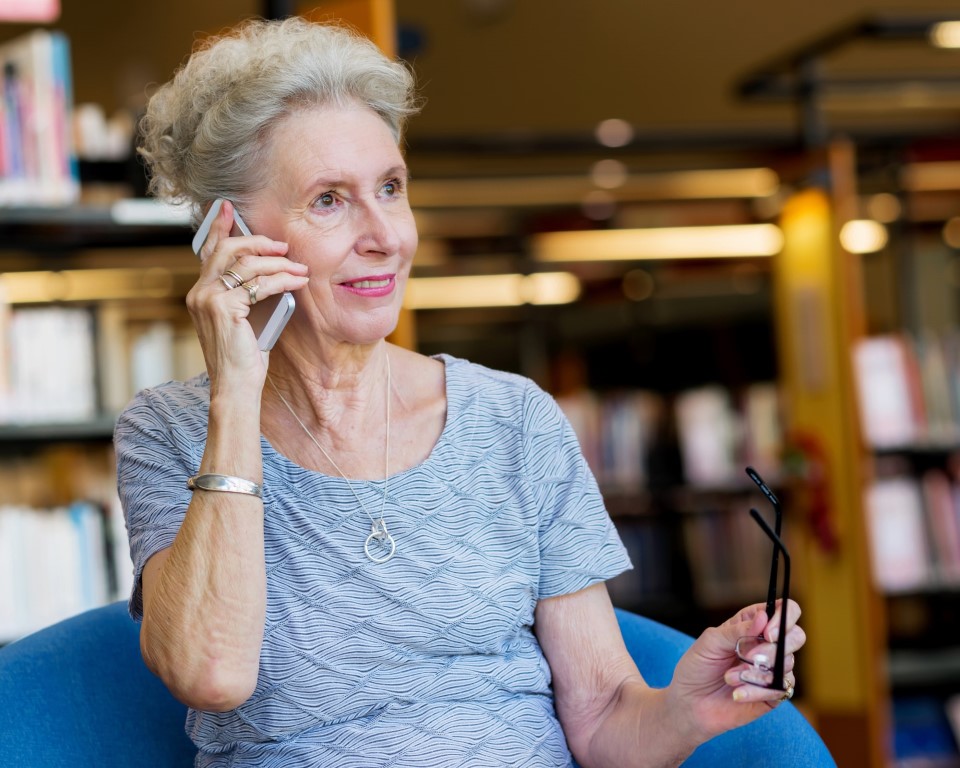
252,289
231,274
227,283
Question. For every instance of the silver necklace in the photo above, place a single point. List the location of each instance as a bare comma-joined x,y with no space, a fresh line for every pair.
379,535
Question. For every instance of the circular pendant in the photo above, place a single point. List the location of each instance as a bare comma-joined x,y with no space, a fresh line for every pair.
384,541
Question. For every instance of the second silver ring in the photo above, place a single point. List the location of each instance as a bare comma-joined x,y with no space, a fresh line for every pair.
227,283
252,289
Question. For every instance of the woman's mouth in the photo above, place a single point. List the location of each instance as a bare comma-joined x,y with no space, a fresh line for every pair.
377,285
370,283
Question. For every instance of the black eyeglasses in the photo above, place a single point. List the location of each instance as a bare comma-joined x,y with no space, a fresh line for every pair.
747,647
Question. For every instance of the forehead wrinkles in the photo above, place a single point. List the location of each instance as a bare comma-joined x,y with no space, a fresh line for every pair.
303,159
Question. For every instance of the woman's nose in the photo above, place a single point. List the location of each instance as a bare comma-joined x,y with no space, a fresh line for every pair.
378,230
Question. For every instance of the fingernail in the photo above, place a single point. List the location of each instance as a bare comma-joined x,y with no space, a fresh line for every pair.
756,677
739,694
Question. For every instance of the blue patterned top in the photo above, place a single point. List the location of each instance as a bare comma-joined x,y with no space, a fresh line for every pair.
426,660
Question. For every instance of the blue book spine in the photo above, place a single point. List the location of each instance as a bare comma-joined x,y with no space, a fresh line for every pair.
63,83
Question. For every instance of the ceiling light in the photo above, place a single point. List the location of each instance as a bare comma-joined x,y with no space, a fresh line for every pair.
551,288
507,290
609,174
945,34
884,207
863,236
939,176
499,192
951,233
614,133
90,284
730,241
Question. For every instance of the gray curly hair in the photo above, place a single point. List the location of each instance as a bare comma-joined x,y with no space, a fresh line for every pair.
205,132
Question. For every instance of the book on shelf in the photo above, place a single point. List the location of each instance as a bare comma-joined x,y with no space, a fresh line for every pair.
940,497
901,555
951,347
151,355
43,11
63,364
51,369
615,432
718,433
37,166
908,389
53,564
707,429
923,735
629,423
933,368
762,428
113,367
915,531
888,391
6,383
729,556
133,355
63,543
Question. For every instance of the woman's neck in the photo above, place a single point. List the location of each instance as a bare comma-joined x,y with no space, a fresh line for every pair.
339,397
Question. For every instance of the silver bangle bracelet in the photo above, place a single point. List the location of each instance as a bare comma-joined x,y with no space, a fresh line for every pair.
225,483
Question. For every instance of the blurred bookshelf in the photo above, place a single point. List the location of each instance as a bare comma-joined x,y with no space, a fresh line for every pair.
905,369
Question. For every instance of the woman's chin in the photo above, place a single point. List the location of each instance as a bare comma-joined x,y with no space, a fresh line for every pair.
365,334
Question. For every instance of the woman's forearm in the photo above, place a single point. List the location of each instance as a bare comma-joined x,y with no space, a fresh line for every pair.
205,607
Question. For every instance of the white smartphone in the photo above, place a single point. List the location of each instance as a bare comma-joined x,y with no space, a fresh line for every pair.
268,316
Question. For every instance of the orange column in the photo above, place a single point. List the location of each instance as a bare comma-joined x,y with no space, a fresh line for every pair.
374,18
818,317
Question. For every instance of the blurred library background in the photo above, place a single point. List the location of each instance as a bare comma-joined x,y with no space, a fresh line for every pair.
721,234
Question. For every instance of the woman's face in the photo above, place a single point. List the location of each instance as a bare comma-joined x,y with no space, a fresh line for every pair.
337,194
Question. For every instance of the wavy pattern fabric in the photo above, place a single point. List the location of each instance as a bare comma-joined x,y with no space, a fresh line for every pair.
428,660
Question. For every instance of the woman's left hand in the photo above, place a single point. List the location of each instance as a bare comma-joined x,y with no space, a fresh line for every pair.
715,688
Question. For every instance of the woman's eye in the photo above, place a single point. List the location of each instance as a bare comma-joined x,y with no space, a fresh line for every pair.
392,188
326,200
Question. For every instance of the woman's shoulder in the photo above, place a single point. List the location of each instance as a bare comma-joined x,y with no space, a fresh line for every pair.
503,394
463,371
173,402
470,376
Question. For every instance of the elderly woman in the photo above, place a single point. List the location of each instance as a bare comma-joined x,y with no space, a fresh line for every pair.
347,553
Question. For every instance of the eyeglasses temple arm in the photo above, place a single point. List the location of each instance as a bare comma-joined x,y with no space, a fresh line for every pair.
779,548
778,520
755,476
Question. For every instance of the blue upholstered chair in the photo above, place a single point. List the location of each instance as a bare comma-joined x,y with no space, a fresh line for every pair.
77,694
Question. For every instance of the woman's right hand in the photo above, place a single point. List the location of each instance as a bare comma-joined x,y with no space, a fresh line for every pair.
220,313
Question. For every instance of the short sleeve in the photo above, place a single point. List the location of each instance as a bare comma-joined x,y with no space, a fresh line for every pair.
579,544
152,469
